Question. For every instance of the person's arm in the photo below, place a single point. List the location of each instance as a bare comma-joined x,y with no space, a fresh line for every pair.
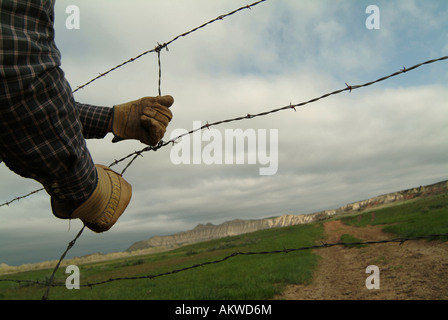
96,120
144,119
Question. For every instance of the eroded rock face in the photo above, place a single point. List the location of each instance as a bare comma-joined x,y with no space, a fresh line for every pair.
236,227
229,228
396,196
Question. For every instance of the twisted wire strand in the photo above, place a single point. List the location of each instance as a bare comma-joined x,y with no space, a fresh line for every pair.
159,47
348,88
162,143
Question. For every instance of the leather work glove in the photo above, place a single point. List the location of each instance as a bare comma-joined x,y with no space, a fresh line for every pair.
105,205
145,119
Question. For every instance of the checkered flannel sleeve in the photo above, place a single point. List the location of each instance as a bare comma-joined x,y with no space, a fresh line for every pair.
43,129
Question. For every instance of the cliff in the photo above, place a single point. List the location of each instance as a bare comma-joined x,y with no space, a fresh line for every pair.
236,227
422,191
230,228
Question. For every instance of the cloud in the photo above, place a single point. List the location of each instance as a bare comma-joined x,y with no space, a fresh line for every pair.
332,145
348,147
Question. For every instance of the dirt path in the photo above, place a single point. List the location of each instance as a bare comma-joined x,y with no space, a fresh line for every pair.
413,270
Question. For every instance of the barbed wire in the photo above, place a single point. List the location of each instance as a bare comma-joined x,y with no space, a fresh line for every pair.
162,143
21,197
159,47
348,87
401,241
174,140
70,245
158,50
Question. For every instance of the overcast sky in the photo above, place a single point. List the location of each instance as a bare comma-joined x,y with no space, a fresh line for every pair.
349,147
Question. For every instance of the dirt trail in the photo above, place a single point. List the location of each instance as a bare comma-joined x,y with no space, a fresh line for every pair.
413,270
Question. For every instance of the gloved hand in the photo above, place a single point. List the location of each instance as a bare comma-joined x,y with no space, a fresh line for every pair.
145,119
105,205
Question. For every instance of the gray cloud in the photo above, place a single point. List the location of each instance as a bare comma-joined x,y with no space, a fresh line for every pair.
349,147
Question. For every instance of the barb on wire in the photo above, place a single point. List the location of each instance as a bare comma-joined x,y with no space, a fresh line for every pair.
234,254
165,45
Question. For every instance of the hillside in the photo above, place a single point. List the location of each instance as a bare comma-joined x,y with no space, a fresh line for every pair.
414,270
261,270
236,227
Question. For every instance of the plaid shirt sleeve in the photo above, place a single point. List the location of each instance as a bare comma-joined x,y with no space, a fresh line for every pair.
43,129
95,120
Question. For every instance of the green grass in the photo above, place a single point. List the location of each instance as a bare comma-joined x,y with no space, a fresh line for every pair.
414,218
240,277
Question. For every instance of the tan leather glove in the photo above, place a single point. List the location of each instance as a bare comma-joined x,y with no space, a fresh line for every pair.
105,205
145,119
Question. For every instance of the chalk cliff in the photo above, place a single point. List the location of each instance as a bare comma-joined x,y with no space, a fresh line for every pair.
236,227
210,231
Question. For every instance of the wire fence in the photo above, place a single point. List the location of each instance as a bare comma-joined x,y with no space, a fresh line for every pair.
291,106
157,50
133,156
165,45
21,197
48,284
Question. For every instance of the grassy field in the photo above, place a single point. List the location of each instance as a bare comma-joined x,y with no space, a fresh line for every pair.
413,218
240,277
